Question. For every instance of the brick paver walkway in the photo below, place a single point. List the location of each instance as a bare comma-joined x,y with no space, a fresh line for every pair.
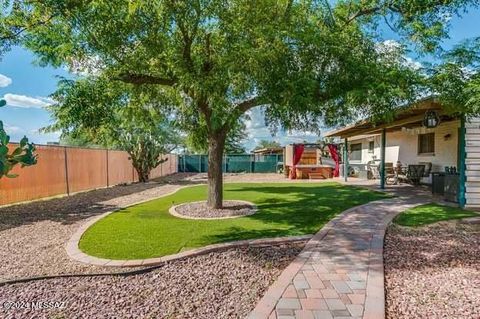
339,274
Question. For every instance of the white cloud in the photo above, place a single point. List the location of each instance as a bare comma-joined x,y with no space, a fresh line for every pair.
388,47
257,131
27,101
10,129
4,81
392,49
415,65
301,134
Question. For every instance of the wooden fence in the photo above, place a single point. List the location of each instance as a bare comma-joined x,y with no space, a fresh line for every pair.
66,170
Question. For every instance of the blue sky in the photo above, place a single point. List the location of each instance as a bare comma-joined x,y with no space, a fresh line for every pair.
26,88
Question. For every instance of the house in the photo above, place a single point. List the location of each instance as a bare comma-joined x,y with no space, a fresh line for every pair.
424,141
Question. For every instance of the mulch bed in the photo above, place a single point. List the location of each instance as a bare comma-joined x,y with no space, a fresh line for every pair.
433,271
200,210
224,284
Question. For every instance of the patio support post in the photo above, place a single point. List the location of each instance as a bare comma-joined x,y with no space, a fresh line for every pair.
382,162
462,164
345,160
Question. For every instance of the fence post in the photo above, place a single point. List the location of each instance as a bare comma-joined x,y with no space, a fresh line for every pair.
252,163
161,167
133,174
108,173
66,169
184,164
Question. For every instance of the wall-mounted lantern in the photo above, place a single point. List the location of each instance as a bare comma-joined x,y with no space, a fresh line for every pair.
431,119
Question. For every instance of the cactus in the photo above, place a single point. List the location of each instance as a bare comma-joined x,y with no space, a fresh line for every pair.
145,147
24,154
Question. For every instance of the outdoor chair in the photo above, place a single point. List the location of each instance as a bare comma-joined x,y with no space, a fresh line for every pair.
374,172
414,174
428,168
390,176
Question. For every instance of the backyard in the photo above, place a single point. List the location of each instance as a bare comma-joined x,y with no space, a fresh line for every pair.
430,252
239,159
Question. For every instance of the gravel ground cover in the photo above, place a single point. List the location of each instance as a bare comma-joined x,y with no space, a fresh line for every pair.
33,235
433,271
200,210
218,285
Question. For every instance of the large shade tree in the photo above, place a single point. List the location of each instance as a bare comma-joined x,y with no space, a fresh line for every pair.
305,61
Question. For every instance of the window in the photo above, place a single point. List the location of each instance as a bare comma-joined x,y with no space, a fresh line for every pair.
356,152
371,146
426,143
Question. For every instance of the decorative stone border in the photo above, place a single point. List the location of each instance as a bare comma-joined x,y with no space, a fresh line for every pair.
173,211
87,259
72,244
74,252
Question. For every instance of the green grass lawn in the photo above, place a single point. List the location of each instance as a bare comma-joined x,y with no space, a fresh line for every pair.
287,209
431,213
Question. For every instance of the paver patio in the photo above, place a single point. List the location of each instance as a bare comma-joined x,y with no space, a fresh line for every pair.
339,274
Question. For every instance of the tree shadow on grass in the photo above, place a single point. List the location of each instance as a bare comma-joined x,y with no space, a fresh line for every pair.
236,233
305,211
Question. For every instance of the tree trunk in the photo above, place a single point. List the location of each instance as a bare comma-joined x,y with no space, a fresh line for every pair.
143,176
216,145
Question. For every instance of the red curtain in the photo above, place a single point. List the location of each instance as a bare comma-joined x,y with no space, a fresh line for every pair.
297,155
333,148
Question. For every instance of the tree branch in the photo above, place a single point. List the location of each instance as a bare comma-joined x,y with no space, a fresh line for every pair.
239,109
362,12
14,35
247,105
144,79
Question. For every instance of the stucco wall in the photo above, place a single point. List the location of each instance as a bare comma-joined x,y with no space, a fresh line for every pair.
403,146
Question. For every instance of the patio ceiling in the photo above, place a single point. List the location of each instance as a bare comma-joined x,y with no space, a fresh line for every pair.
409,117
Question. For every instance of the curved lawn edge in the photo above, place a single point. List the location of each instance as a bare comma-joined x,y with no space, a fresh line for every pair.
74,252
72,245
173,211
80,256
311,222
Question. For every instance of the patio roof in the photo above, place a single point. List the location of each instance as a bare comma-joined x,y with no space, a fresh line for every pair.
409,117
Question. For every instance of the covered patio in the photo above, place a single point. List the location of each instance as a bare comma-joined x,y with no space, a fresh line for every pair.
422,145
